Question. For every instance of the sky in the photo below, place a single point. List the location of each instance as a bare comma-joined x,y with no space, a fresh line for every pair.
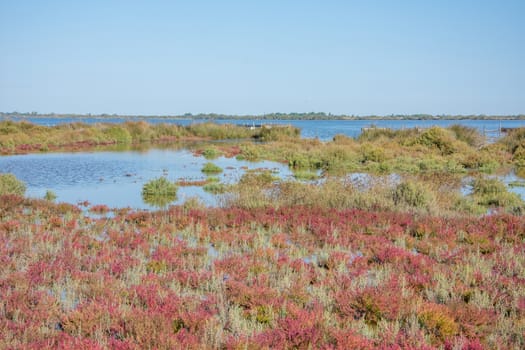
255,57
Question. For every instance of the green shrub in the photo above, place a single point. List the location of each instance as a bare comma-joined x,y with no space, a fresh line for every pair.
482,160
520,171
159,186
341,139
438,320
193,203
163,130
139,131
454,167
439,138
493,192
372,153
374,133
468,205
211,153
9,184
488,187
50,196
117,134
177,325
334,193
159,192
470,136
369,308
513,139
299,161
9,127
215,188
250,152
212,179
489,167
264,314
431,164
404,164
252,190
412,194
277,132
220,131
518,155
210,168
305,175
258,179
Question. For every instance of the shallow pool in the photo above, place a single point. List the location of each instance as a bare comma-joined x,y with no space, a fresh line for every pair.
116,178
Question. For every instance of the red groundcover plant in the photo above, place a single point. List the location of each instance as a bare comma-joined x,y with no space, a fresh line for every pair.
287,278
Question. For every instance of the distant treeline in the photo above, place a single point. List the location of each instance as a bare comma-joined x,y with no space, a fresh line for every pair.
271,116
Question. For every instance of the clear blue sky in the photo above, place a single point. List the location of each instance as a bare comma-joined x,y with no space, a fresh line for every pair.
254,57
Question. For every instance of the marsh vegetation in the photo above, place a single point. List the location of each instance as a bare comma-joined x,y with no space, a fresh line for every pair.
395,239
159,192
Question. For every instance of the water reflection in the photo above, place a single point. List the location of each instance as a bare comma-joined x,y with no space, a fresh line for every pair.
160,201
159,192
116,178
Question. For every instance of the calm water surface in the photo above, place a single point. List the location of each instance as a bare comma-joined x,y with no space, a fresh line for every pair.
116,178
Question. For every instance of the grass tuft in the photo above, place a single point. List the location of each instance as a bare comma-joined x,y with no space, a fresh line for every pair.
9,184
159,192
210,168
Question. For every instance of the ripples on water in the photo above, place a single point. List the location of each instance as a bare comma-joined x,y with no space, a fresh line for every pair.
116,178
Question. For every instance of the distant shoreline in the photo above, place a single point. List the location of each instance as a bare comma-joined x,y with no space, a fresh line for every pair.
271,116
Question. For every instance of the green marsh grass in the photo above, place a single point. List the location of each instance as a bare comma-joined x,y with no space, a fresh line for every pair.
9,184
18,137
211,153
305,175
50,196
159,192
215,188
210,168
492,192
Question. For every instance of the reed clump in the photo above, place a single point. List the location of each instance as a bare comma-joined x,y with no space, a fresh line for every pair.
9,184
491,192
412,194
24,137
159,192
211,153
215,188
383,151
211,169
436,194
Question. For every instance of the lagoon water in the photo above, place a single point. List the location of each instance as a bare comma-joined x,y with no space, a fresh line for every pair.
116,178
